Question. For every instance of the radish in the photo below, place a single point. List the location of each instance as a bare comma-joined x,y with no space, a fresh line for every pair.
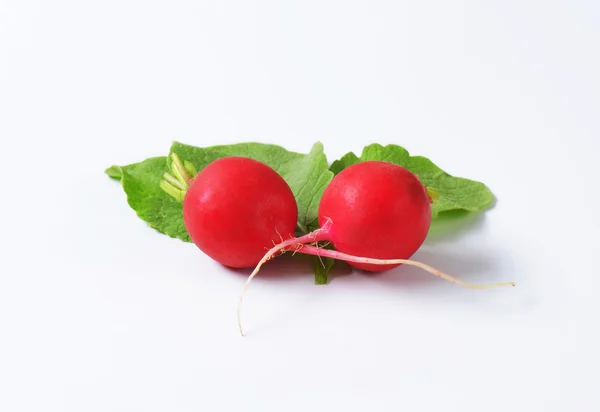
380,210
235,209
376,215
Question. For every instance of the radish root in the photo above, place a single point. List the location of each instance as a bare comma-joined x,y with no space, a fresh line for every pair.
306,245
283,247
316,251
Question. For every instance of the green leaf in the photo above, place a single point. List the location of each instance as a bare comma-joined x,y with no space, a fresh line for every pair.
141,182
455,193
307,174
322,266
114,172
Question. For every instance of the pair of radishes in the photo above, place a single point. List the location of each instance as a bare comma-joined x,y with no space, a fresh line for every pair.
375,214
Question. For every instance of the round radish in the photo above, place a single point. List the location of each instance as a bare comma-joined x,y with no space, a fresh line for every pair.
377,209
236,208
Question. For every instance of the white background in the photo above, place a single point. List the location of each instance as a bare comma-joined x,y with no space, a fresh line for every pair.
100,313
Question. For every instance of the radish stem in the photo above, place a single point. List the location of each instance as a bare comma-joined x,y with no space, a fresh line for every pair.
173,191
190,168
173,181
177,184
179,170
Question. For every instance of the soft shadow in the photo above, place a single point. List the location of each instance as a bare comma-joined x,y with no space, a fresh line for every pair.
290,266
449,225
468,267
282,267
339,270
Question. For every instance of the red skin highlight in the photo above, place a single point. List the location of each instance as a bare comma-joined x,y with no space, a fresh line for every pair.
377,210
236,209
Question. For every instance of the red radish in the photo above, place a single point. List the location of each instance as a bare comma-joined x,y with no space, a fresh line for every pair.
379,210
236,208
376,214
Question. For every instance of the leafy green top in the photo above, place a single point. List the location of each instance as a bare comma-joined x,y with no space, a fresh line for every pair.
454,192
141,183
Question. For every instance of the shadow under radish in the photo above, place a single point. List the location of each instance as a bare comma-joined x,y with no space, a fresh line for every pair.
340,269
282,267
452,224
471,267
289,266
